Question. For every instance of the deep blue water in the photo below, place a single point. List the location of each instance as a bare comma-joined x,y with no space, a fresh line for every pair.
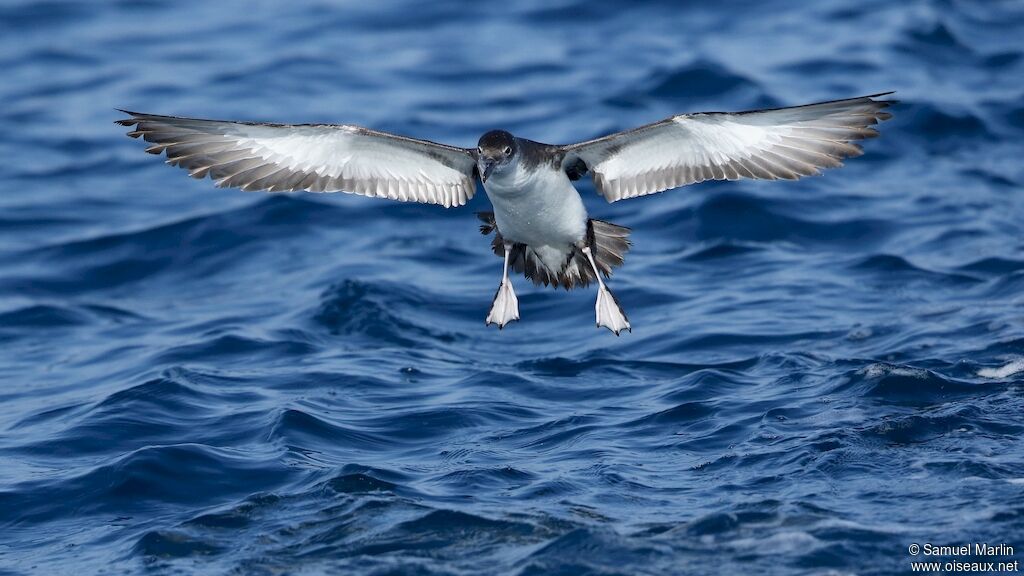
198,380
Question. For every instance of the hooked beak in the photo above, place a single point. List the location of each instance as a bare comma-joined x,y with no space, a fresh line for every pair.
486,167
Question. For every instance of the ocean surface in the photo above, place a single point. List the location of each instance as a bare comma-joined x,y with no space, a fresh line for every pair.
199,380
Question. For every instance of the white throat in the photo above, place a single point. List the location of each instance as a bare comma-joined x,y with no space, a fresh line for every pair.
511,181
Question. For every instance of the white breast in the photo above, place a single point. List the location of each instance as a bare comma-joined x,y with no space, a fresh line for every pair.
540,208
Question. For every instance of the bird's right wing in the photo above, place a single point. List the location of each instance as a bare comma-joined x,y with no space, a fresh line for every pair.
766,144
311,157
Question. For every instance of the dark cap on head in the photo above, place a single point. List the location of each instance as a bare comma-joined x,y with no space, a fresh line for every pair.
495,150
496,140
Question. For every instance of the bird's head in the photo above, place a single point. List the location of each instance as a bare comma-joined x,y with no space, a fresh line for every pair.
495,152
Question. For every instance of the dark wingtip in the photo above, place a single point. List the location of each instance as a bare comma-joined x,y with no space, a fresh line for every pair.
881,116
884,103
127,121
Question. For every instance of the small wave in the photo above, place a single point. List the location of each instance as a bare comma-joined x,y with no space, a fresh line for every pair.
298,427
915,429
720,250
148,478
880,370
942,128
1004,371
1012,115
818,67
200,246
42,316
744,218
705,80
237,516
373,310
311,70
907,384
45,15
360,483
994,265
990,176
423,424
30,222
171,544
161,410
80,166
482,479
936,40
235,346
440,522
592,551
681,414
887,264
159,393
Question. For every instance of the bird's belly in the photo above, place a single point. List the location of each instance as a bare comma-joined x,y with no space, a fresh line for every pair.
546,216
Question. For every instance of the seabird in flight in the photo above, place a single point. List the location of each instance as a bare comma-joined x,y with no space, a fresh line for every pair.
539,223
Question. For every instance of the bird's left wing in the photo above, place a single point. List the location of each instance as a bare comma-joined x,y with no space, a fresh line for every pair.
311,157
765,144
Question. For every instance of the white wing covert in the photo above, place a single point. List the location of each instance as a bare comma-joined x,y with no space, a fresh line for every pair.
785,143
311,157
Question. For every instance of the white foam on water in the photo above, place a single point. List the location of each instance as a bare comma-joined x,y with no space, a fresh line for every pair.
1004,371
880,369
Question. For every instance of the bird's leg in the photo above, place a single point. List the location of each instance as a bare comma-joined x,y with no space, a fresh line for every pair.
609,313
506,306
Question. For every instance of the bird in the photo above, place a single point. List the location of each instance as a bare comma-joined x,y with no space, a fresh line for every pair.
540,225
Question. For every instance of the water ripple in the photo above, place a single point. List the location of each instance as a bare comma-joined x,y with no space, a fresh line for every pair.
198,380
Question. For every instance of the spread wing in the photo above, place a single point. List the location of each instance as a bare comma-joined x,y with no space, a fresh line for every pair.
310,157
766,144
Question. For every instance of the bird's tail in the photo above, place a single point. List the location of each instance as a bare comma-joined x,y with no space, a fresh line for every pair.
609,244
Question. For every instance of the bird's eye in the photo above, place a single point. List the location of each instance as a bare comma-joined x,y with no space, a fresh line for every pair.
480,149
508,150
